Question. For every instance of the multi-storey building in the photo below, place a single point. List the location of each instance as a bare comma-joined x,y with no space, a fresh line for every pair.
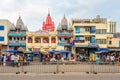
91,34
113,41
65,35
5,25
41,41
17,35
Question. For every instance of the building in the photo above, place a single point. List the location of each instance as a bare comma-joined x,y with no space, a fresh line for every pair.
17,35
45,39
41,41
5,25
91,34
65,35
113,42
49,24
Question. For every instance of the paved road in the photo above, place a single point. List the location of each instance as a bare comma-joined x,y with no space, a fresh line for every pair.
65,76
65,68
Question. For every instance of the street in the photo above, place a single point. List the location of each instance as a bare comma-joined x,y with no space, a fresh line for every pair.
60,76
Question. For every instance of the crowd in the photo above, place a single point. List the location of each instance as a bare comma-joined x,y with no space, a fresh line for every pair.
14,59
19,60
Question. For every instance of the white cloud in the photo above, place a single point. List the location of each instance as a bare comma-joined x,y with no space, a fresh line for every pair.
34,12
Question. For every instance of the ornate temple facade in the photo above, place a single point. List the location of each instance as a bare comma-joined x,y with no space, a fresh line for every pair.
17,35
43,40
65,35
49,24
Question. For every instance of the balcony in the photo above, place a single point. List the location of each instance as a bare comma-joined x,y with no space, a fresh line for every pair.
64,43
45,45
79,41
65,34
17,43
53,45
17,34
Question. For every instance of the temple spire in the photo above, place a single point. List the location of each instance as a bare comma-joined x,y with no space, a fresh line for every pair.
49,24
48,12
19,22
64,21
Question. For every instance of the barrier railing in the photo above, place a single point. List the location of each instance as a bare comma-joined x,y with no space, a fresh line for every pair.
56,67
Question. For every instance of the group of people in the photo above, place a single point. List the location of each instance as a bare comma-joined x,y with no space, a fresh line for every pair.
14,59
18,60
105,58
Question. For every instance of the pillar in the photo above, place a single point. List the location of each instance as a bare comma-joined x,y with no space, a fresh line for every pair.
50,42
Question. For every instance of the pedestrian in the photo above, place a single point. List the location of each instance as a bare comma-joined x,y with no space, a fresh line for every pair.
12,58
112,59
21,60
4,60
16,60
8,60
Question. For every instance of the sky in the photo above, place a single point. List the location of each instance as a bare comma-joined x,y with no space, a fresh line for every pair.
34,12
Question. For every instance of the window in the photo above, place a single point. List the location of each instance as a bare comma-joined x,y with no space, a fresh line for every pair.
53,40
45,40
92,40
37,40
1,38
110,42
92,29
87,38
29,40
101,41
10,38
79,38
101,31
77,30
1,27
87,29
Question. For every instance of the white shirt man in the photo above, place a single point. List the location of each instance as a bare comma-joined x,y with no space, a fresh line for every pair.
53,59
12,57
112,58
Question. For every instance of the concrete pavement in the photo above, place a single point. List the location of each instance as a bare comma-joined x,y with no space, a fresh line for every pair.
65,76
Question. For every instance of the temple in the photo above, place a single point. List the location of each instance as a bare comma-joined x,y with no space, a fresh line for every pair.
17,35
49,24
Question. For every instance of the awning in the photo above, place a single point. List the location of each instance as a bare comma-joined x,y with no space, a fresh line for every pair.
59,51
114,49
84,46
93,45
12,51
103,50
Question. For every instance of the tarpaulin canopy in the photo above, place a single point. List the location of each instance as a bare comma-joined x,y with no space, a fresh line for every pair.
103,50
11,51
59,51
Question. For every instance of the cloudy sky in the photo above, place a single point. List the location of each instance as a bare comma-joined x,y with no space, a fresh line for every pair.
34,12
